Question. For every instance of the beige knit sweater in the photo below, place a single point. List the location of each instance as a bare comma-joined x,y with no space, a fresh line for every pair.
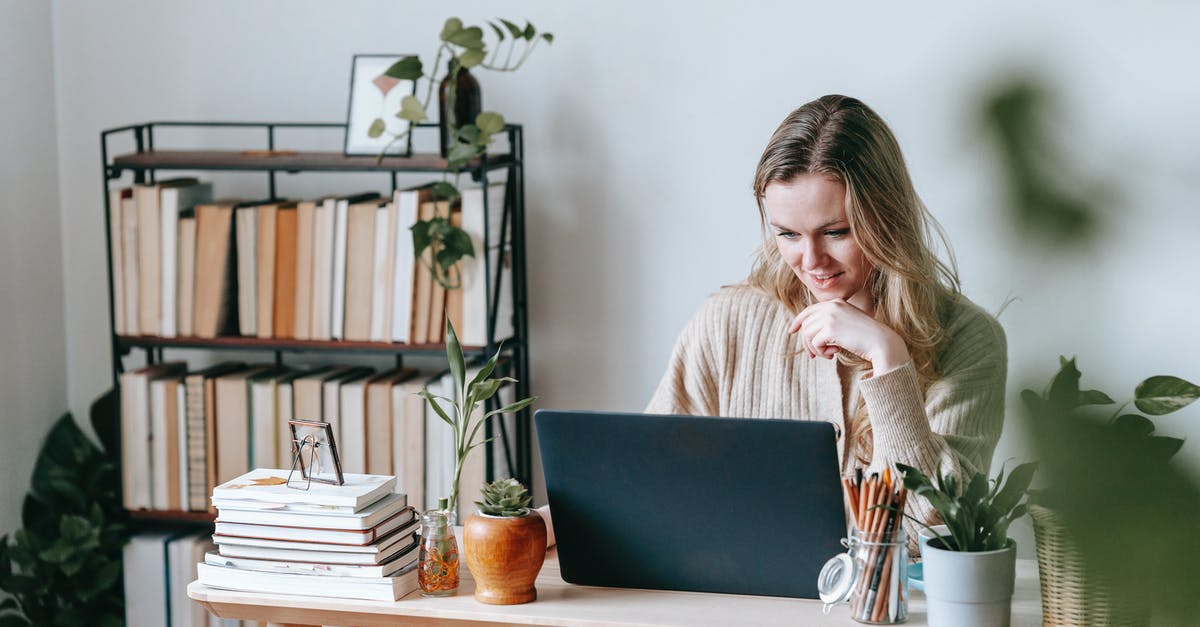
735,358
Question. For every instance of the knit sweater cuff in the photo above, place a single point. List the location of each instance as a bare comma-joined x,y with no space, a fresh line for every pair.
897,410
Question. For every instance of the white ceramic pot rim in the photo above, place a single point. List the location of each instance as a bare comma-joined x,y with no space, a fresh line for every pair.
1009,545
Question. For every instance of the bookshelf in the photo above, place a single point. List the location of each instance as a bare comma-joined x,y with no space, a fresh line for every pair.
144,155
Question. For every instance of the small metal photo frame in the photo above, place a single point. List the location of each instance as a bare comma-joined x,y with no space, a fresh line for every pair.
314,454
372,127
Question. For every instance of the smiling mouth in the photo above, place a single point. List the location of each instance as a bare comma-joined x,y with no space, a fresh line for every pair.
824,281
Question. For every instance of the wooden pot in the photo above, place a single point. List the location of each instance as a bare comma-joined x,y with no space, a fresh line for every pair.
505,555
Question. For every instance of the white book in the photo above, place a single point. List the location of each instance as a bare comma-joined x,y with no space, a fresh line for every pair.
172,202
144,562
182,556
136,442
376,553
352,428
475,283
274,514
129,259
388,589
337,298
264,420
186,299
284,413
160,456
117,266
268,485
246,229
386,569
407,202
439,444
403,519
331,399
322,288
381,297
408,439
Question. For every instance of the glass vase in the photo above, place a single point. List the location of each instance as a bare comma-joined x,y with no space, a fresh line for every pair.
437,560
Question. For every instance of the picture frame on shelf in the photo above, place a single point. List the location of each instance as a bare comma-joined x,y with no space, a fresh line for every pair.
372,127
314,454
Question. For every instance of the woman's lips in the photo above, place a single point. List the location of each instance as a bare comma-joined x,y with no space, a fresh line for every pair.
827,282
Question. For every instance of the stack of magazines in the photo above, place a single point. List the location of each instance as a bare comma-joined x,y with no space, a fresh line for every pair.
355,541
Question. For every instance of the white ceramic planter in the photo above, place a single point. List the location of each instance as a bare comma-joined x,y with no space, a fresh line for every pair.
964,588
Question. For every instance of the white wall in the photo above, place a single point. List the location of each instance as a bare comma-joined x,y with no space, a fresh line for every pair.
33,369
643,124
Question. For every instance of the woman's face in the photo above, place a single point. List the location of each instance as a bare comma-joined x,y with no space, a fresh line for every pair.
808,217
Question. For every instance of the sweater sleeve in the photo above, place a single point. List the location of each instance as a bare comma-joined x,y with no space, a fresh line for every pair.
689,386
957,422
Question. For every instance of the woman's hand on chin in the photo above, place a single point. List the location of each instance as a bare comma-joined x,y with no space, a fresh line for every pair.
829,327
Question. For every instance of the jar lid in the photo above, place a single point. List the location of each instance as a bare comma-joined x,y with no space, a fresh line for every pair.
837,579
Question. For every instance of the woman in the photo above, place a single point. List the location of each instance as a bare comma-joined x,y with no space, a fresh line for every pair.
847,316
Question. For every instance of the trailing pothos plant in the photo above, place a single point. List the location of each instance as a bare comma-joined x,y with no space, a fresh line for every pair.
976,513
462,412
467,47
63,567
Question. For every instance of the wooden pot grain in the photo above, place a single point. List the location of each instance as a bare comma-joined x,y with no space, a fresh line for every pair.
505,555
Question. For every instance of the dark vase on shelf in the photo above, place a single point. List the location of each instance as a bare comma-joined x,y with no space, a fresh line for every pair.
468,103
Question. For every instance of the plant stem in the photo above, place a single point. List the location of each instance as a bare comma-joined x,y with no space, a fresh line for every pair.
1119,410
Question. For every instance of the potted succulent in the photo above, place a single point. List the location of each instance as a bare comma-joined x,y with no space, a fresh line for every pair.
505,544
969,573
1103,554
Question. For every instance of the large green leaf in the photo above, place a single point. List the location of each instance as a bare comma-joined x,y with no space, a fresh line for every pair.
1134,424
1094,397
1064,389
516,31
452,26
106,421
470,38
421,237
1018,483
1164,394
472,57
411,109
407,69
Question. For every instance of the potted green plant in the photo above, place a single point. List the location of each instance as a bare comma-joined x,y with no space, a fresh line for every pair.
467,48
969,573
63,567
1103,499
463,413
505,544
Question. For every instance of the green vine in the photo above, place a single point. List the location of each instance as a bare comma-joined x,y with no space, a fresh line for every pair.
467,48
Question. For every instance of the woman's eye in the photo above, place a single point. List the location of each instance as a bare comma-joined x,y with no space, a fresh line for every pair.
785,234
837,233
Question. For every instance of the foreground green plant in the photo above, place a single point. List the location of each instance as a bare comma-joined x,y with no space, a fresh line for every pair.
63,567
977,517
505,497
462,413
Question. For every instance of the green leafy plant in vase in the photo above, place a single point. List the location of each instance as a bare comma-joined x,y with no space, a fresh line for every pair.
466,47
505,544
1115,522
969,573
463,413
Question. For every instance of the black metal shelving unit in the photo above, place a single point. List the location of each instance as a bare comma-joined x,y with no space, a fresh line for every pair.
147,159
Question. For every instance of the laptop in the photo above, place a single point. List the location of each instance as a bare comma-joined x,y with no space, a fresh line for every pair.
692,503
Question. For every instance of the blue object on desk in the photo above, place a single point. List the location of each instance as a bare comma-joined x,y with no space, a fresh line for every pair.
916,576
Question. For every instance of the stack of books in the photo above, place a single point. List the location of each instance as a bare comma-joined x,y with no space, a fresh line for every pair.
355,541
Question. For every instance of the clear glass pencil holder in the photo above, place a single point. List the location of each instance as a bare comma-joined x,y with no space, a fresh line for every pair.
872,577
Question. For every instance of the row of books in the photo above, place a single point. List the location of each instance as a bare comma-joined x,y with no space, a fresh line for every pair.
354,541
185,431
332,268
158,566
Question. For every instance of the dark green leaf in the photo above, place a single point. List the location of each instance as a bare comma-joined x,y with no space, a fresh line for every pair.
1094,397
471,58
549,37
1162,448
12,620
454,355
496,29
529,31
470,38
377,128
421,237
427,395
1064,389
467,133
463,152
459,241
516,31
106,422
1134,425
450,28
57,553
446,258
407,69
1018,483
1164,394
444,191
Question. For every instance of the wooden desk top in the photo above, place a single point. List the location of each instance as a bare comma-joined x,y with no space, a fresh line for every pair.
560,603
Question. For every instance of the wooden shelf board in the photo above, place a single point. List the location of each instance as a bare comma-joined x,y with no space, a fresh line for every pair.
287,161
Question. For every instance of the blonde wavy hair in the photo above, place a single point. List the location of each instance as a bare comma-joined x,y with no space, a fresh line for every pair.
842,138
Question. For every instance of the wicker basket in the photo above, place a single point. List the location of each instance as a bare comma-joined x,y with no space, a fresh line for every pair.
1071,596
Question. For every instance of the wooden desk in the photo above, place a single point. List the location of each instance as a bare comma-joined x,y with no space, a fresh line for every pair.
560,603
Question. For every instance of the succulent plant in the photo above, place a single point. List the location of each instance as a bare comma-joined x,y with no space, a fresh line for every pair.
505,497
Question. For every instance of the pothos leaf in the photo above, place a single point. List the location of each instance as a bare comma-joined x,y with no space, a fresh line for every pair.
1164,394
411,109
444,191
408,68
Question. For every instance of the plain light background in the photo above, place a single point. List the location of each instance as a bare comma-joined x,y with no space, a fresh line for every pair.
643,124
